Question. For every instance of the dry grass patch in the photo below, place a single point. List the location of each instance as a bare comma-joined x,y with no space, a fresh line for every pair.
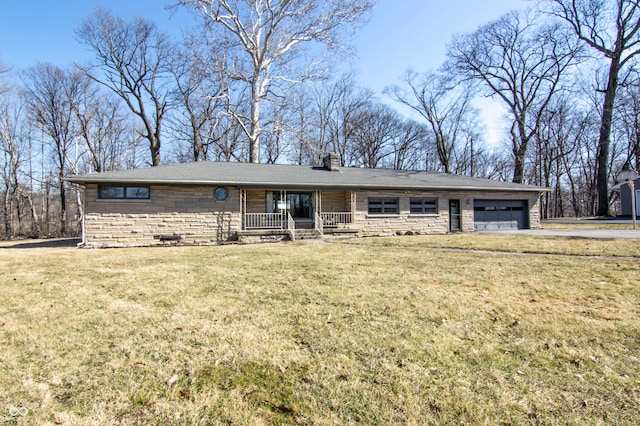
386,333
510,243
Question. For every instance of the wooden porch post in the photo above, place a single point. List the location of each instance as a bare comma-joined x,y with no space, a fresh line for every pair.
353,206
243,207
318,203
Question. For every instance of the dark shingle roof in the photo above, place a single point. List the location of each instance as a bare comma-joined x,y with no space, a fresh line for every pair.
295,177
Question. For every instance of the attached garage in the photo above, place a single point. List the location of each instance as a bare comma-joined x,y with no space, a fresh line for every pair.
492,215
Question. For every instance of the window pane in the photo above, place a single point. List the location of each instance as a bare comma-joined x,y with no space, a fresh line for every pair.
137,192
111,192
423,205
391,206
375,205
431,205
383,206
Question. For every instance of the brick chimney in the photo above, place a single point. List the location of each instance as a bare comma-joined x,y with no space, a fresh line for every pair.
331,162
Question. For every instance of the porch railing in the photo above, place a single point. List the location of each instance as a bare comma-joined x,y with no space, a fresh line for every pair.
318,224
265,221
336,218
291,227
285,221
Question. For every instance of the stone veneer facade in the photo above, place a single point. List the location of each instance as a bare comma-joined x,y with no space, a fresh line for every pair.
192,215
407,223
190,212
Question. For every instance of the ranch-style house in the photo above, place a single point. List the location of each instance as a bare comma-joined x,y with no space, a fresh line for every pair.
215,202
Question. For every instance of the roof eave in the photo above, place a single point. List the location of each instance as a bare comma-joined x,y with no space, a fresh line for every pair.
305,185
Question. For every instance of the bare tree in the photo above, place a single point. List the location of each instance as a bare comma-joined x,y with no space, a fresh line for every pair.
628,113
275,132
335,104
374,129
11,161
200,104
322,117
444,105
562,157
612,28
4,70
343,102
131,59
104,129
51,93
409,146
268,38
554,144
306,129
521,62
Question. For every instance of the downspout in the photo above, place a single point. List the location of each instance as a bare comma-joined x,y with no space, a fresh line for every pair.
83,199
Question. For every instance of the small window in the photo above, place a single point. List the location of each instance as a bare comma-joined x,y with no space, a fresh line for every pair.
383,206
123,192
423,206
221,193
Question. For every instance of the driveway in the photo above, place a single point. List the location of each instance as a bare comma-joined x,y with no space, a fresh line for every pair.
576,233
570,232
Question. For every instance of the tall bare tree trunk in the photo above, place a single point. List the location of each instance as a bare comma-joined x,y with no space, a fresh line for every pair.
254,137
7,213
63,204
604,140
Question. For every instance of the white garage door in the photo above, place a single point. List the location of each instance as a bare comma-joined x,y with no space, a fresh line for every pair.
500,214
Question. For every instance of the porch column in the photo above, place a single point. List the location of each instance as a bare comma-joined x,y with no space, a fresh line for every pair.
353,206
318,203
243,207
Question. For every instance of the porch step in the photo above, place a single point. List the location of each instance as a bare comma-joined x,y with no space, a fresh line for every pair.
307,234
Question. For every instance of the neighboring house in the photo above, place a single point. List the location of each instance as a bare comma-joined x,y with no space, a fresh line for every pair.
626,206
212,202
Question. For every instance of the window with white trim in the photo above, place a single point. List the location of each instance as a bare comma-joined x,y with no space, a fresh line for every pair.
383,206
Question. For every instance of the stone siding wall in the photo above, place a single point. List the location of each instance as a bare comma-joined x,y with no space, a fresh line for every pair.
192,213
405,222
534,213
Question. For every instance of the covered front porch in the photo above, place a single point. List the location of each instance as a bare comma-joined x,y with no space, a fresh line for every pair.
297,213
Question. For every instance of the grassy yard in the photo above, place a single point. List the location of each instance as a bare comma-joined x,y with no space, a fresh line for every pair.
585,224
453,329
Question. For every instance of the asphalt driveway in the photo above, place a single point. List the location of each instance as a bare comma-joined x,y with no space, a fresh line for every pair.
576,233
582,233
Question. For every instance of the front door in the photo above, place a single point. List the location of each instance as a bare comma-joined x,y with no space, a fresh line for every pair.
298,204
455,216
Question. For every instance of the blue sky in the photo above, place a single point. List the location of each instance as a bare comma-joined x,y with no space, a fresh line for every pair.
400,34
